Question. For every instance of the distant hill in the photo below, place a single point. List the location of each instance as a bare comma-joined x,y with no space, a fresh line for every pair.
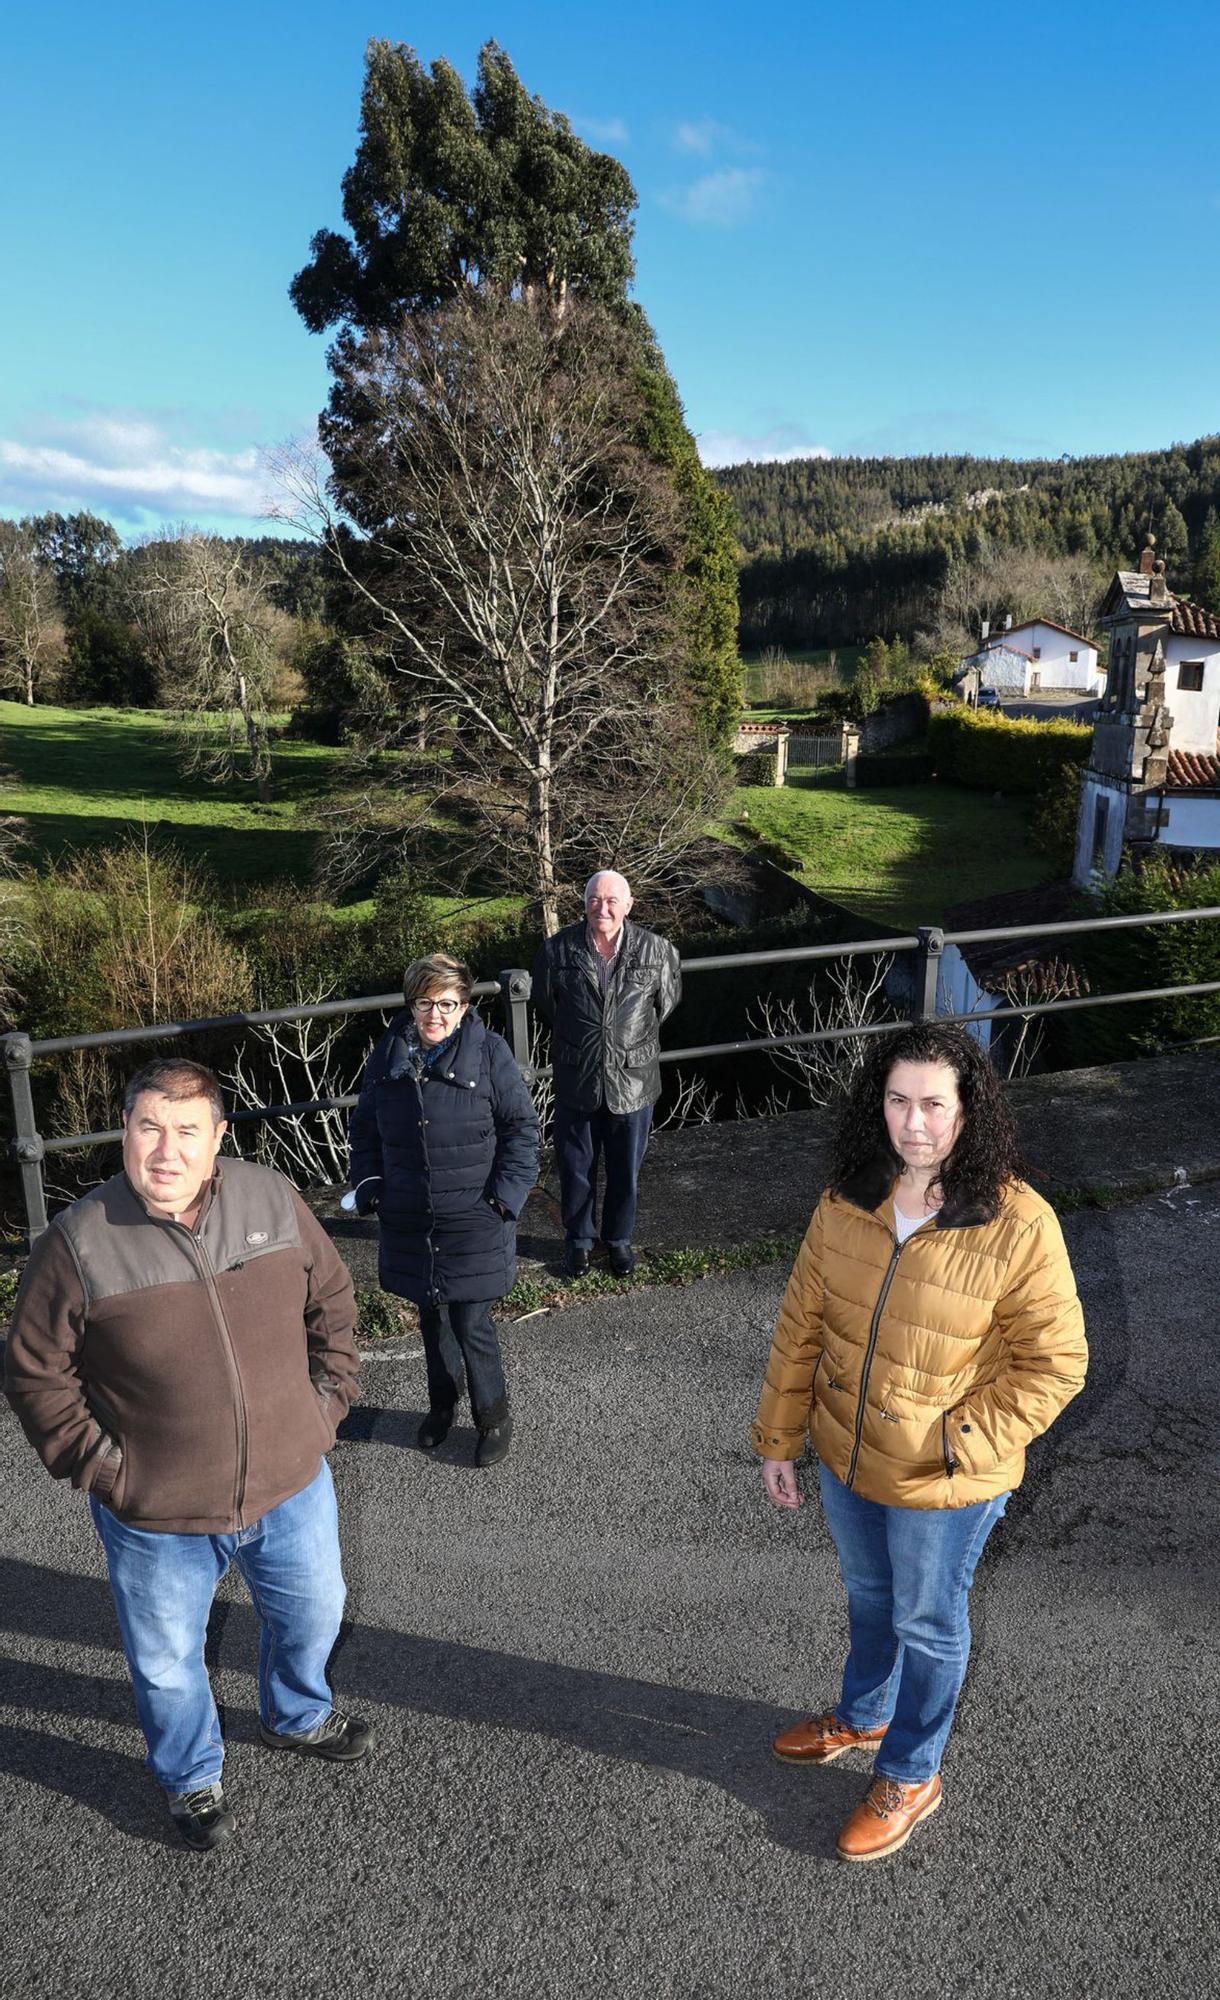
836,550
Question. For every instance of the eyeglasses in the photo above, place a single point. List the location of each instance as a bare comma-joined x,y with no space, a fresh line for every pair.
445,1007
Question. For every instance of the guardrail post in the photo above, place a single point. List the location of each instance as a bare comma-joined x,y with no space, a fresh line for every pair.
515,988
927,970
26,1144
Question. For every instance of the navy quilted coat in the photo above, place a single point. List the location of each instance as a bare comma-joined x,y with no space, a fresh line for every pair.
446,1145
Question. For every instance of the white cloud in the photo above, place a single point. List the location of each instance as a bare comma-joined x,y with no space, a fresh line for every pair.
705,136
607,131
723,199
125,464
784,441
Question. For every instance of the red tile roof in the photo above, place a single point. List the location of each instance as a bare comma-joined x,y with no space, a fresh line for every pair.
1027,625
1193,620
1193,770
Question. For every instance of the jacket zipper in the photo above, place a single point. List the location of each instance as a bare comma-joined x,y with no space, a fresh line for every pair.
886,1282
243,1450
945,1452
423,1146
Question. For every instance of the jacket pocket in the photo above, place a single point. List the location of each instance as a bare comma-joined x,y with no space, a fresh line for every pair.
946,1449
107,1472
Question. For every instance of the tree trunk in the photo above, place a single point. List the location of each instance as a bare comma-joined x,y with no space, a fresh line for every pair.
539,819
258,763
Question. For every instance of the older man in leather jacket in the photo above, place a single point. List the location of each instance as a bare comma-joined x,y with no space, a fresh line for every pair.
605,985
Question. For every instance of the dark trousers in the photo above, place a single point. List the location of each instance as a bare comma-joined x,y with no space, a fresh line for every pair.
620,1140
460,1341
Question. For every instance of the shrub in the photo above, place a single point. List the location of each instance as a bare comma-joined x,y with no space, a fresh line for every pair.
1052,823
998,753
910,767
1162,955
754,767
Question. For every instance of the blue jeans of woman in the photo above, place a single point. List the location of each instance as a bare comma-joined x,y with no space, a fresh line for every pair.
460,1335
163,1586
907,1572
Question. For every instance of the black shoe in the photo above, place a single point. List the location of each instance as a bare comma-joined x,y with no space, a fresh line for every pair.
341,1739
494,1442
202,1817
622,1260
575,1261
434,1429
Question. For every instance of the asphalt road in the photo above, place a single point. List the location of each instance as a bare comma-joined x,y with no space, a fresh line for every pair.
576,1663
1054,708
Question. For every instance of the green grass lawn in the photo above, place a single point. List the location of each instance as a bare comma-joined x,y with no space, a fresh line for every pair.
84,777
903,854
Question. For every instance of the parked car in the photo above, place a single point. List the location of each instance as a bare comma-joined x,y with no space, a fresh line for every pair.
988,698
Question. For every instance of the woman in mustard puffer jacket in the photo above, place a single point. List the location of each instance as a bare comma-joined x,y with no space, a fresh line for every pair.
929,1332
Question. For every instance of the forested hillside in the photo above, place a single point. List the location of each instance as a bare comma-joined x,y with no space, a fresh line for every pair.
836,550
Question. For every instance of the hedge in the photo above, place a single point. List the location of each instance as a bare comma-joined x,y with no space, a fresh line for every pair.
754,767
883,769
1002,753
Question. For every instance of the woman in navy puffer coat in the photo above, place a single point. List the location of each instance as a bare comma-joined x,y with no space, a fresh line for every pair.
444,1148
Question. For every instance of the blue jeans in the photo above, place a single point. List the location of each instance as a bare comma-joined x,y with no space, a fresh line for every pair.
620,1139
163,1586
459,1336
908,1572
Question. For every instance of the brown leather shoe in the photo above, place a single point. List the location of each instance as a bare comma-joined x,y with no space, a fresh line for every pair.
822,1739
886,1817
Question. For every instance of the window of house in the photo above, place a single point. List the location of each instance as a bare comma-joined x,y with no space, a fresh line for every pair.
1037,652
1190,676
1073,657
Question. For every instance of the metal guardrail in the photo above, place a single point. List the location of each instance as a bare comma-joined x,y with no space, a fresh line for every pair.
28,1148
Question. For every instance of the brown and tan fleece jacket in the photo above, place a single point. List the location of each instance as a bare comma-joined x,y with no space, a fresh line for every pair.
191,1379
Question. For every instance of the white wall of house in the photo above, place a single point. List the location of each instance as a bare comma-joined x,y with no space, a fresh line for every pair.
1196,716
1193,821
1085,868
1002,668
1052,659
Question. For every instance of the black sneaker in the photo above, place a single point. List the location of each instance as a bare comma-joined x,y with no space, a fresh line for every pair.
342,1739
202,1817
494,1441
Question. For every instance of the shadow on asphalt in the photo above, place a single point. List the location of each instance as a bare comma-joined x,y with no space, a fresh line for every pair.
713,1738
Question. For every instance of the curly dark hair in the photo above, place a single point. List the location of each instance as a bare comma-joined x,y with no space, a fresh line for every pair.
985,1158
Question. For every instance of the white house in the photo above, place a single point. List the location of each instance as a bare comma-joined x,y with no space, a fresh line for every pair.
1058,658
1153,776
1024,659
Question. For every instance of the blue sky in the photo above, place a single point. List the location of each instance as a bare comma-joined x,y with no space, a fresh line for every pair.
960,227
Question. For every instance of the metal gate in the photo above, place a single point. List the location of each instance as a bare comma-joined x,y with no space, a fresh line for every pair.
811,749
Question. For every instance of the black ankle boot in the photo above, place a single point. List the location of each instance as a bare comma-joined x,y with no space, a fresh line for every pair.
434,1429
494,1441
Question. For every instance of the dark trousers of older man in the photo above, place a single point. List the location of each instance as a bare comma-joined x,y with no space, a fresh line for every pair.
619,1140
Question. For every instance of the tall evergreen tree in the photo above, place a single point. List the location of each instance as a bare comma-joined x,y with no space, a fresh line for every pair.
494,191
1205,580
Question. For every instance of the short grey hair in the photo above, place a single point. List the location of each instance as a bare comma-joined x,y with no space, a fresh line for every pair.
179,1080
598,876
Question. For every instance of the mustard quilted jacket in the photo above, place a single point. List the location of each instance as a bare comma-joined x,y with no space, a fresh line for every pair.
921,1372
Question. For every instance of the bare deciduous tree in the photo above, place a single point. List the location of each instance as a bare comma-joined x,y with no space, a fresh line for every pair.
1021,583
203,608
299,1061
849,994
517,557
31,629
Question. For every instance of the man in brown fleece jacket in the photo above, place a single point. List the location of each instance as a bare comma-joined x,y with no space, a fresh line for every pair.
182,1350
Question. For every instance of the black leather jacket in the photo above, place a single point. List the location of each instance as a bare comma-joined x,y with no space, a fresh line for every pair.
606,1052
